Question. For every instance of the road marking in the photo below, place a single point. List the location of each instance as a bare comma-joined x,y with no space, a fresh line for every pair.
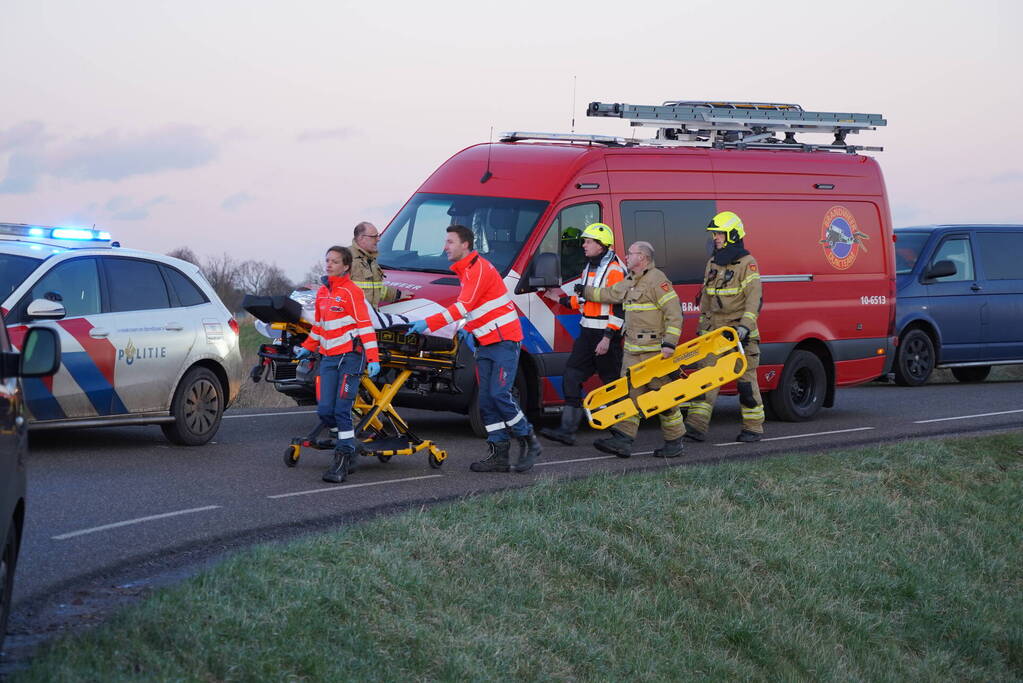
563,462
289,412
354,486
138,520
799,436
967,417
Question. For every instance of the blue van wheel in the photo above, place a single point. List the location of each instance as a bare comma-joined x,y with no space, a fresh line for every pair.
915,360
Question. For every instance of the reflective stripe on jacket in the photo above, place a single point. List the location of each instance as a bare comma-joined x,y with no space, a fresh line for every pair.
341,318
597,315
483,302
369,277
653,314
732,295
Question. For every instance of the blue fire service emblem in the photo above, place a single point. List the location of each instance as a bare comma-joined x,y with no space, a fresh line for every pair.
841,239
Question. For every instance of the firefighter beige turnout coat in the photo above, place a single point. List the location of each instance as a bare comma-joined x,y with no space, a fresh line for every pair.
367,274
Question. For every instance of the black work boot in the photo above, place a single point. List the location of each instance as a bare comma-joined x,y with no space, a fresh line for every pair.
693,434
617,444
353,460
747,436
670,449
529,451
571,416
497,461
339,470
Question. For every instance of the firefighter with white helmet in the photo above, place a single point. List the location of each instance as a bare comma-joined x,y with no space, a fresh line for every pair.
731,296
598,348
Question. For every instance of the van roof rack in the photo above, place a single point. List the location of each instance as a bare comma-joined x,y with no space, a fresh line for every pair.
518,136
741,125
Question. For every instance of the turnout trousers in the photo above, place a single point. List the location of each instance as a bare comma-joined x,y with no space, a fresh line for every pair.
750,403
583,362
496,365
671,420
339,384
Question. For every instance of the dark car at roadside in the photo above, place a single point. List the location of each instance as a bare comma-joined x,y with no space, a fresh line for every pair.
39,357
959,301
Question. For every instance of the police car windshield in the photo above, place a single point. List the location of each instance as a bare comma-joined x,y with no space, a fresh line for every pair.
907,250
415,238
13,271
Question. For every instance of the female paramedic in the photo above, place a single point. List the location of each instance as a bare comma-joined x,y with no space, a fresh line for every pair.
344,337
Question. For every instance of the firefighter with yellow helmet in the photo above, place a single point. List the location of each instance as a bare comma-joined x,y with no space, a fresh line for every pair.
598,348
732,297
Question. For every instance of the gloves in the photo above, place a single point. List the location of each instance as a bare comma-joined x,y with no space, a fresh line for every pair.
303,352
579,289
373,369
743,332
417,327
467,338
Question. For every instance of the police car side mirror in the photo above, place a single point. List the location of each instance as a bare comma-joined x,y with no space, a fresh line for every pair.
44,309
544,271
39,357
940,269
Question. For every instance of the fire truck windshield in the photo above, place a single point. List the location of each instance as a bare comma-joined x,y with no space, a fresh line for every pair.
415,238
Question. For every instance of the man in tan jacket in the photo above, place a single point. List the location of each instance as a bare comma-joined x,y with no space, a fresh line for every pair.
732,297
366,272
653,324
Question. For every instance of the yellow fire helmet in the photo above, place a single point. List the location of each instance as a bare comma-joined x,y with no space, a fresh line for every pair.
728,223
600,232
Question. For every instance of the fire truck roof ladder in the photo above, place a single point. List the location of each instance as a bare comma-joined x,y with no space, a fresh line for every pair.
741,125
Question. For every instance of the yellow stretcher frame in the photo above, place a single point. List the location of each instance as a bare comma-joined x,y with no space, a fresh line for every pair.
380,406
608,405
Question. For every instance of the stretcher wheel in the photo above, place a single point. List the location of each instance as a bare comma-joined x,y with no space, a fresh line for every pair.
435,462
383,458
291,455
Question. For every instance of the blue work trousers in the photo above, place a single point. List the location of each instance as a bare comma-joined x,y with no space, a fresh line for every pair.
496,365
339,384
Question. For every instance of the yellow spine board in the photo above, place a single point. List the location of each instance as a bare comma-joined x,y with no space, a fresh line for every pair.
608,405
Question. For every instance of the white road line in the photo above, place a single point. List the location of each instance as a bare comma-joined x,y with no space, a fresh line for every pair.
139,520
289,412
800,436
564,462
967,417
345,487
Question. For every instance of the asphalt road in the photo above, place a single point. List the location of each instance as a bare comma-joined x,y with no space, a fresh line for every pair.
105,499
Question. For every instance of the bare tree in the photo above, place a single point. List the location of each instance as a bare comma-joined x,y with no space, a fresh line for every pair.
185,254
222,272
261,279
313,275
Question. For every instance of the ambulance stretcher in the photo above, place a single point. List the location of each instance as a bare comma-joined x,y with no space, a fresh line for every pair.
608,405
379,430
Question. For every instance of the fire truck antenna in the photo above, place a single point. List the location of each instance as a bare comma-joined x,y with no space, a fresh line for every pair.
573,103
487,175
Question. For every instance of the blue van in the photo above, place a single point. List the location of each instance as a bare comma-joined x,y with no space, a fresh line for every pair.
959,300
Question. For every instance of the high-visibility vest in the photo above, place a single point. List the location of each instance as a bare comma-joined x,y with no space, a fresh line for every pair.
341,318
484,303
596,315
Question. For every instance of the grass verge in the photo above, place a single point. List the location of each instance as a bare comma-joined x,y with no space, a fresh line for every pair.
889,563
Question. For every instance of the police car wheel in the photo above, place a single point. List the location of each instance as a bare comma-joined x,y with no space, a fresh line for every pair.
197,409
915,360
801,389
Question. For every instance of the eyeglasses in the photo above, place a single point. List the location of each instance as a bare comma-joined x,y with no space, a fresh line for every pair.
372,237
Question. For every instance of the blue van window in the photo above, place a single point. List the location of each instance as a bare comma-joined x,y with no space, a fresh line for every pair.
956,250
907,250
1001,255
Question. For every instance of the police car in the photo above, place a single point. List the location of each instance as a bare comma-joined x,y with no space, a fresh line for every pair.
144,338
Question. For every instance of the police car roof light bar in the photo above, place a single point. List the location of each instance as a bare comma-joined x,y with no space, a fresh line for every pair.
741,125
57,236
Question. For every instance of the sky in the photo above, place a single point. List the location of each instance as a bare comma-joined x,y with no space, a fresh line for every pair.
267,130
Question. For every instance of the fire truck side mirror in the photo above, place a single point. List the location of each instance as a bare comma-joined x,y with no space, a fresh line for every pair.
544,271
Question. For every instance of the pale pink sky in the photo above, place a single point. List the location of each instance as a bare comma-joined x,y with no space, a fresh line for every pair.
268,129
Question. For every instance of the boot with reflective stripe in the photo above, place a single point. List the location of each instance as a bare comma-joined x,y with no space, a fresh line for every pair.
529,451
617,444
571,416
497,461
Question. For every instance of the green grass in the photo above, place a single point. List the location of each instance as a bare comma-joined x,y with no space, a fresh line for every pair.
889,563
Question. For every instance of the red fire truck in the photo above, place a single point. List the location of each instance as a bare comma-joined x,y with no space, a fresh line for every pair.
816,216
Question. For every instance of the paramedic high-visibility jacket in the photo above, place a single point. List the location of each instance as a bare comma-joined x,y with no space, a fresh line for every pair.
484,303
342,321
653,314
367,274
595,314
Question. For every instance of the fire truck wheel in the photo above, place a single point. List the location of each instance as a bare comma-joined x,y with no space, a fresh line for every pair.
802,388
915,359
197,408
518,393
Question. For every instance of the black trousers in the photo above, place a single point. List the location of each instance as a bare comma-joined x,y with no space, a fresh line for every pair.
583,362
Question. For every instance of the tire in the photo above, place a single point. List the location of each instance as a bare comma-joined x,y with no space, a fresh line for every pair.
915,360
197,408
476,420
291,455
801,389
8,563
974,373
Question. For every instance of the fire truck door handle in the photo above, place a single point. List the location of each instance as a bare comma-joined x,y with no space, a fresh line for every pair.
175,327
99,333
975,287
